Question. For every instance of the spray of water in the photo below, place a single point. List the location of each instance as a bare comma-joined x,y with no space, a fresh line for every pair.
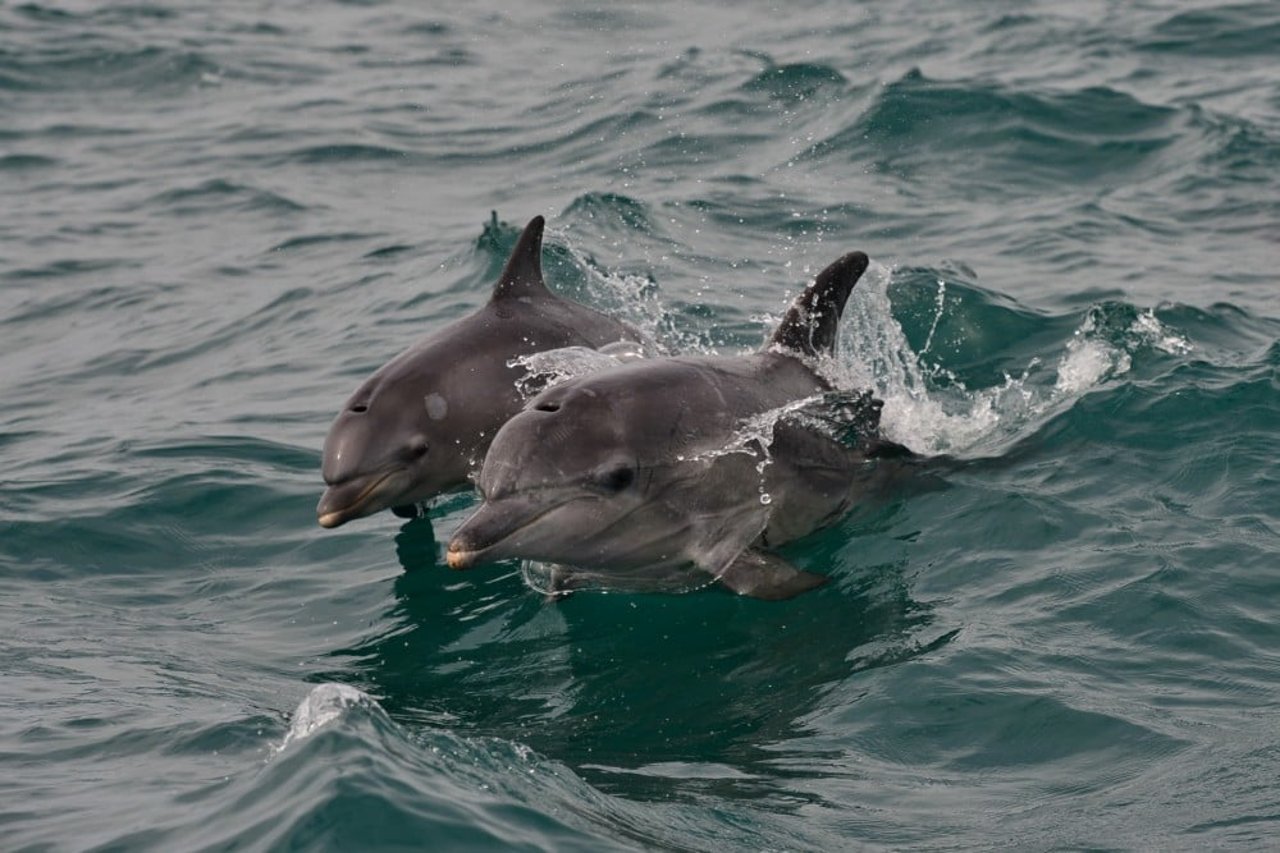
925,407
629,297
931,411
541,370
323,706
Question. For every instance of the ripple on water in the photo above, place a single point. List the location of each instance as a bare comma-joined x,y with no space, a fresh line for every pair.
218,194
147,70
224,215
916,118
1230,31
797,82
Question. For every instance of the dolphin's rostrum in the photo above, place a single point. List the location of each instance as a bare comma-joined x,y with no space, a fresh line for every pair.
674,472
418,425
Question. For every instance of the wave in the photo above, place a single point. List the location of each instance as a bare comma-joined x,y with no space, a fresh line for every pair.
1090,135
218,194
796,81
222,216
345,773
1231,30
102,68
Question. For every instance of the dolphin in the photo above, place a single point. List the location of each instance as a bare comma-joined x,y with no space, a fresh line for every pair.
677,472
421,422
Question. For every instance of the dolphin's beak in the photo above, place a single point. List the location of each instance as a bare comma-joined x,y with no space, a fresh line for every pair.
331,518
459,557
494,531
352,499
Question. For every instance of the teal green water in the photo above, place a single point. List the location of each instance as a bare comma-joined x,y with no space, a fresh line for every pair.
218,218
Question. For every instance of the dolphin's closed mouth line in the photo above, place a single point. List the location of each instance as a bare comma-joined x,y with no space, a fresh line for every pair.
334,517
460,557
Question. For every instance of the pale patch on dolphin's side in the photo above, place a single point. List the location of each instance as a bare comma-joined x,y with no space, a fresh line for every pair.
437,407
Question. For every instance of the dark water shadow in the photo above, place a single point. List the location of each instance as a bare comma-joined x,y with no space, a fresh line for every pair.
650,696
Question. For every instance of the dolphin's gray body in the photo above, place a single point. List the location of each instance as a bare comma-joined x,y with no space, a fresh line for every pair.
419,425
656,473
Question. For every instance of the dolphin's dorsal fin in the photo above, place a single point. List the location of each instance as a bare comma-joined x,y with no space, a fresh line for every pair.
809,327
522,276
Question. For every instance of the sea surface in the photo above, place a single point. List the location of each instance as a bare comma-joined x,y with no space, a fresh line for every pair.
217,217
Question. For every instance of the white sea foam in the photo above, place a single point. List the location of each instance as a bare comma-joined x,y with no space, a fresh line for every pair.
874,353
325,704
927,408
931,411
1149,331
1087,363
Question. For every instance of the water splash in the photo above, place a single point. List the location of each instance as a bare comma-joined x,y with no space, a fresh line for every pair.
929,409
324,705
630,297
729,528
551,367
754,435
940,302
874,353
1088,361
1147,330
926,407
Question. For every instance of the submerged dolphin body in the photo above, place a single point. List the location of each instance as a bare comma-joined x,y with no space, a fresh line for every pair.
674,472
418,425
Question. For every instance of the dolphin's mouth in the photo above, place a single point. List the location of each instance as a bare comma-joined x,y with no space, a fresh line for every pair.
337,506
494,525
459,557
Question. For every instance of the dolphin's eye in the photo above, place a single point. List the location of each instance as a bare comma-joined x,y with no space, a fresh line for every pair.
359,408
417,448
617,479
547,407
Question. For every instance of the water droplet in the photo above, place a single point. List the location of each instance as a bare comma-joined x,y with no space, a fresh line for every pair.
765,498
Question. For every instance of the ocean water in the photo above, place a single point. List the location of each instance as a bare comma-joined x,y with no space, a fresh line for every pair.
219,217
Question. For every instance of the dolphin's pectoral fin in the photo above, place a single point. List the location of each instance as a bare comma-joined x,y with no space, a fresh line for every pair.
768,577
561,583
